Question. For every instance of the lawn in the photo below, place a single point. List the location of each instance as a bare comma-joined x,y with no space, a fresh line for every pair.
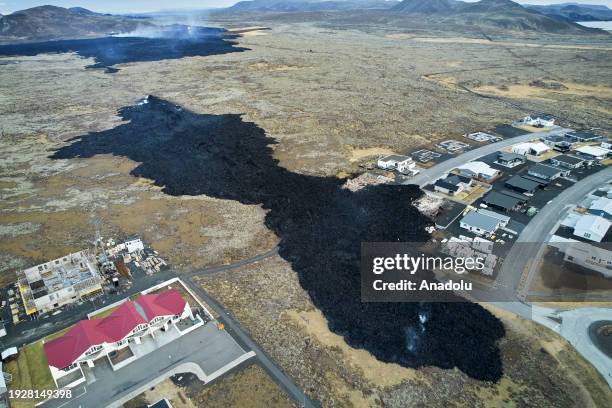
29,371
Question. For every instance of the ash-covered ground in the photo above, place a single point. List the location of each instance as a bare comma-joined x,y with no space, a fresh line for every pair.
320,225
150,44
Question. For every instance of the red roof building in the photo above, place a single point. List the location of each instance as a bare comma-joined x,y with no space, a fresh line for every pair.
167,303
65,350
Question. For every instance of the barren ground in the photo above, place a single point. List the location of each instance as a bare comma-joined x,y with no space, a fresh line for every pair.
332,98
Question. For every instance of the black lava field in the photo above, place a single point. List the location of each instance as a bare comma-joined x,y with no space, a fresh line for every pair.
170,42
320,224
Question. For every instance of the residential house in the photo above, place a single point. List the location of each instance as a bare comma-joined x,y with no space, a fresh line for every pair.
483,222
560,143
504,200
567,161
530,148
479,170
547,173
522,184
592,227
540,120
403,164
583,136
601,207
593,152
510,159
453,184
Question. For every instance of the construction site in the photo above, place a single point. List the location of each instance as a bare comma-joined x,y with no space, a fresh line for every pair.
50,288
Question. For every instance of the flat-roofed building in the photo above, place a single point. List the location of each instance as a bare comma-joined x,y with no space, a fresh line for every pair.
403,164
53,284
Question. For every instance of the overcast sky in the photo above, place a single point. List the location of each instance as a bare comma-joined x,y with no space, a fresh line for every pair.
130,6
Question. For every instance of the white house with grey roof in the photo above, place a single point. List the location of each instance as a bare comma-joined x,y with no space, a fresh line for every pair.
601,207
592,227
403,164
479,170
483,222
530,148
567,161
538,120
593,152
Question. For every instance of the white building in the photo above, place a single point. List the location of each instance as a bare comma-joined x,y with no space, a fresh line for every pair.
483,222
601,207
50,285
538,120
586,255
591,227
593,152
126,327
403,164
531,148
479,170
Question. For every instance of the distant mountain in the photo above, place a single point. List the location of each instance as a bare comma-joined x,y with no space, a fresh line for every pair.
51,22
311,5
83,11
499,13
426,6
575,11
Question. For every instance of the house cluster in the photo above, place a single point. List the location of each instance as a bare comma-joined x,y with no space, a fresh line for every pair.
399,163
129,324
585,237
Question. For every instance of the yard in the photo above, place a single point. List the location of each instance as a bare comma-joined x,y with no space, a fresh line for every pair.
29,371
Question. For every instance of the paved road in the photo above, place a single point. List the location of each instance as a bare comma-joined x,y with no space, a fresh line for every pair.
530,242
237,264
33,330
433,173
207,346
575,328
266,362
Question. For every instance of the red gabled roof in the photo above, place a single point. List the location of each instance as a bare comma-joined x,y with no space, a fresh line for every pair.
121,322
64,350
169,302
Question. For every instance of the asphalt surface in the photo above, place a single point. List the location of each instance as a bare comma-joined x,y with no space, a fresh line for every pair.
207,346
533,238
430,175
575,328
266,362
